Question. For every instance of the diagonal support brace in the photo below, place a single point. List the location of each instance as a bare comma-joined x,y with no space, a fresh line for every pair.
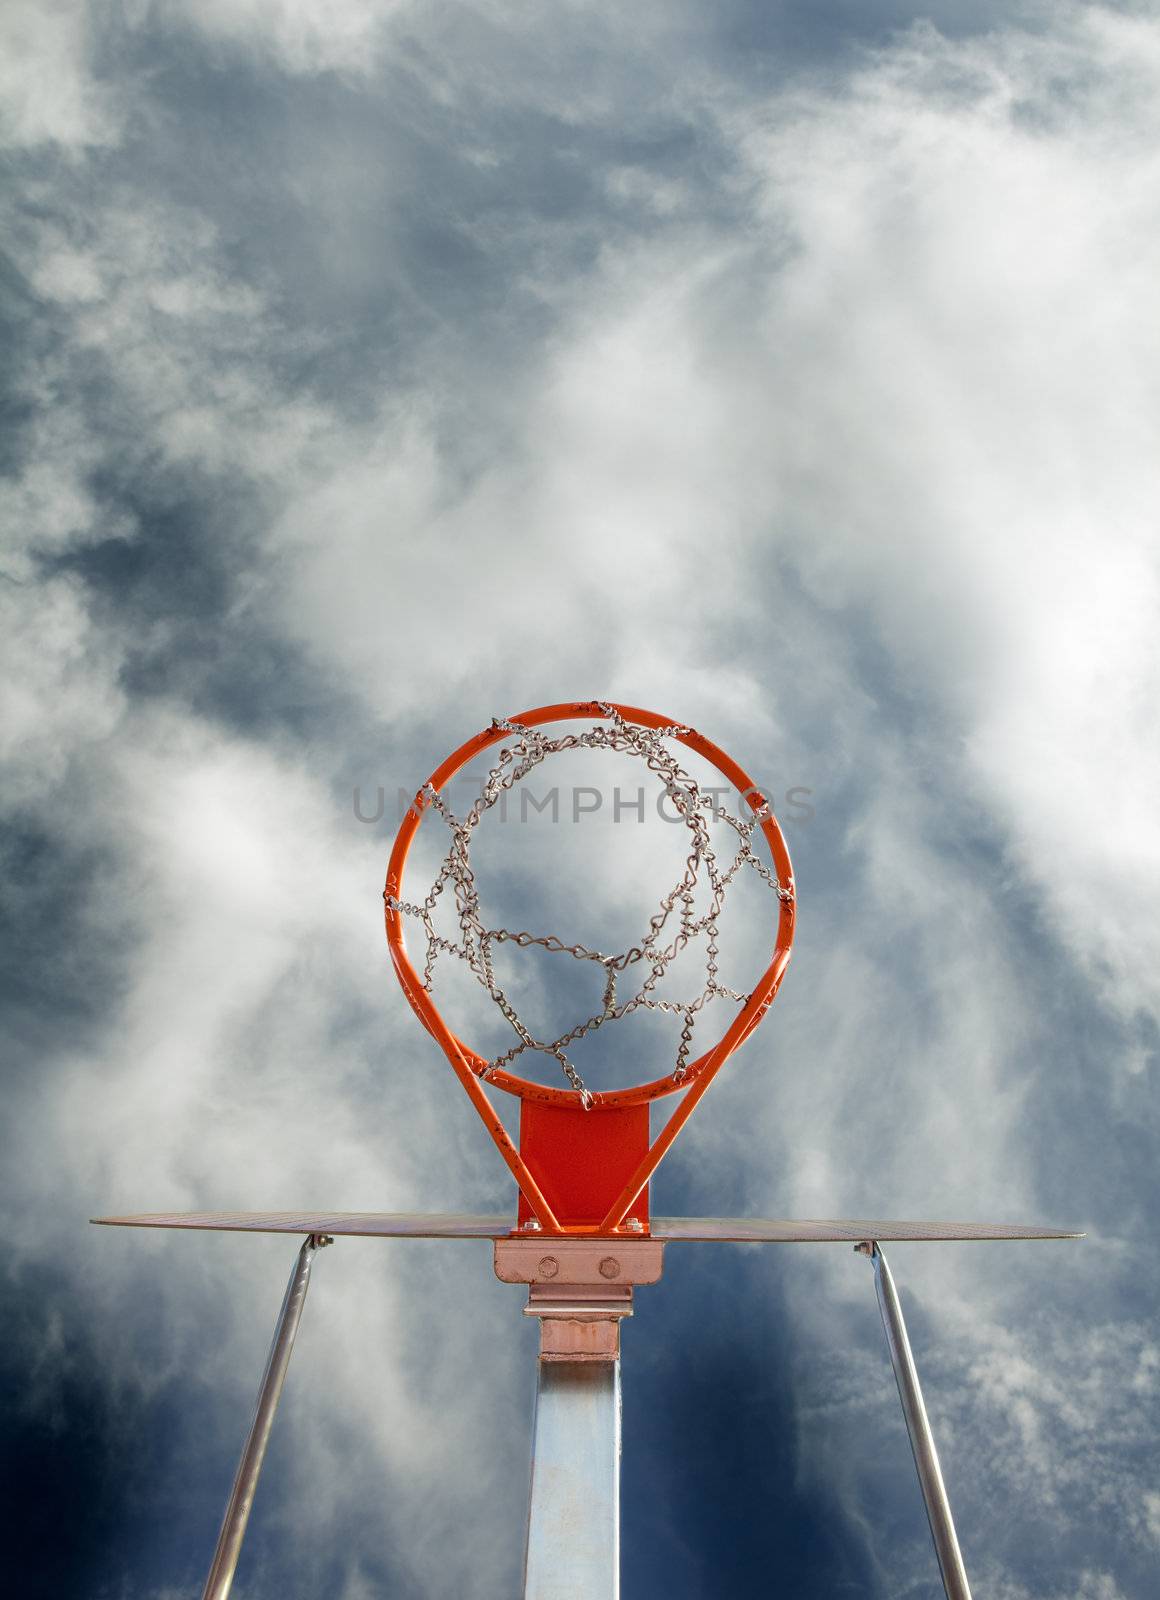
930,1478
233,1530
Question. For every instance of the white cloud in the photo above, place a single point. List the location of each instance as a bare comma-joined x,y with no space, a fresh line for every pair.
47,505
68,275
297,35
248,1061
905,400
923,380
588,559
48,92
59,694
965,322
185,355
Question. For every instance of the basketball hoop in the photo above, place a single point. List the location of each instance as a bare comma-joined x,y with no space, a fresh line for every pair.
584,1158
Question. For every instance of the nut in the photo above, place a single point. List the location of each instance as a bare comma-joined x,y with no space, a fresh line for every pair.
549,1267
610,1267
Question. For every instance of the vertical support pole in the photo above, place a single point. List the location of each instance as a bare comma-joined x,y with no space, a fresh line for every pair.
233,1530
573,1549
930,1478
580,1290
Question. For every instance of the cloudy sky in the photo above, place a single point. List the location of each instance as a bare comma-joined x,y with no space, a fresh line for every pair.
372,369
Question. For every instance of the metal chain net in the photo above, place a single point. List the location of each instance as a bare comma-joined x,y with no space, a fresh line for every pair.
652,955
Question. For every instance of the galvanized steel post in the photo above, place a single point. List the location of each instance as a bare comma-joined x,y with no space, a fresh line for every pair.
573,1549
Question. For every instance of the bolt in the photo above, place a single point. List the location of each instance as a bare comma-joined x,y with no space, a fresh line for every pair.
634,1224
549,1267
610,1267
530,1226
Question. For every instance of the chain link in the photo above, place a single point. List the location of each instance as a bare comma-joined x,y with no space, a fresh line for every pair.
528,748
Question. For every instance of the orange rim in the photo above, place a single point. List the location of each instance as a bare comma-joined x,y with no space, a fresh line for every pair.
705,1066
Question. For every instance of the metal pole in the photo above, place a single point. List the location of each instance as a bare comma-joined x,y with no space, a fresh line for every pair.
233,1531
573,1549
930,1478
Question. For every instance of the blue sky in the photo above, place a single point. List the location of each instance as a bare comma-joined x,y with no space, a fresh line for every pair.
376,369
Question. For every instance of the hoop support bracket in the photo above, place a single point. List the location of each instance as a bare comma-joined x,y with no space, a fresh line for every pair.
580,1289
